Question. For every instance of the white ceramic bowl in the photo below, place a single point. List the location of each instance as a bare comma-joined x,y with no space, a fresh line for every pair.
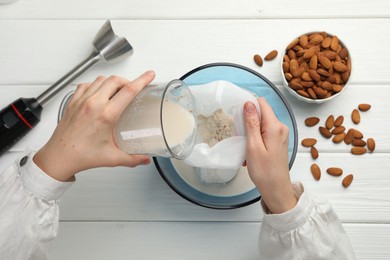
310,100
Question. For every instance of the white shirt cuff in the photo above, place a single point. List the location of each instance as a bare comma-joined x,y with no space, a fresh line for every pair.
38,182
294,217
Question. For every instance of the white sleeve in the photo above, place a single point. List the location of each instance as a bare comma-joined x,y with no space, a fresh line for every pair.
28,210
311,230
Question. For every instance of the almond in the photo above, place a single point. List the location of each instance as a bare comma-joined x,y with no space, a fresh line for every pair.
358,150
308,142
357,133
329,122
315,171
334,171
358,142
293,43
313,62
347,180
311,121
338,138
272,55
355,116
312,93
339,66
294,65
324,61
334,45
309,53
339,121
314,75
371,144
303,40
303,93
349,136
314,152
316,39
325,132
338,130
258,60
364,107
326,42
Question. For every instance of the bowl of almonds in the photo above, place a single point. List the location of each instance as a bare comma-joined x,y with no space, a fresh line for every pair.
316,67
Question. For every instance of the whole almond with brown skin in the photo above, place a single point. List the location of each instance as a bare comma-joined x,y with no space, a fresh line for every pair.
371,144
312,93
358,134
314,152
347,180
303,93
334,45
334,171
272,55
303,40
309,53
338,130
325,61
326,42
316,39
364,107
258,60
325,132
358,150
308,142
329,122
349,136
340,67
315,171
338,138
339,121
355,116
358,142
293,43
311,121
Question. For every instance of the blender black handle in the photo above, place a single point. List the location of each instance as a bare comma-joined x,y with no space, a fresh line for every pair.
16,120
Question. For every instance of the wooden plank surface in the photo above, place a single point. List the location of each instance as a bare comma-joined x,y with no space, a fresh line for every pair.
195,240
41,51
192,9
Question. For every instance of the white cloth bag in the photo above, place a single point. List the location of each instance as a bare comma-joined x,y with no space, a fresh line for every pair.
229,154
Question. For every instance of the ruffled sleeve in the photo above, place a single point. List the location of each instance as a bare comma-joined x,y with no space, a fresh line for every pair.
310,230
29,211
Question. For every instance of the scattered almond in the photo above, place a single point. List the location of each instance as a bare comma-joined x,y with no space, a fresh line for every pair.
308,142
349,136
325,132
338,138
357,150
272,55
358,134
314,152
329,122
339,121
371,144
364,107
334,171
355,116
358,142
315,171
258,60
311,121
347,180
338,130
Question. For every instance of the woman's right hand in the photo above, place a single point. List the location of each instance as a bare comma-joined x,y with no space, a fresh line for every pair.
267,157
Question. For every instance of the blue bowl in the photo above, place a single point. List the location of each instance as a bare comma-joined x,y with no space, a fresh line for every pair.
260,86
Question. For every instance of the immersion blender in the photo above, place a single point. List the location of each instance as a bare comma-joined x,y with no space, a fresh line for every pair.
18,118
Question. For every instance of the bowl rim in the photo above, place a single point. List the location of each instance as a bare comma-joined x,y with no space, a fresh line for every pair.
293,121
309,100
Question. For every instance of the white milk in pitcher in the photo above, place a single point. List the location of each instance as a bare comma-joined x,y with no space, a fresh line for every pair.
142,127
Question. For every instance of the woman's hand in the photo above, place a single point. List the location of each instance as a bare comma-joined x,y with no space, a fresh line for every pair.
267,157
84,138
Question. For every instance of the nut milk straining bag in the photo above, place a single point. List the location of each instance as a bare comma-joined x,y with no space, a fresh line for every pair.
220,147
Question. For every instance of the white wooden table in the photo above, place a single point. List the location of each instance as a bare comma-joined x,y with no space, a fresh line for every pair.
125,213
